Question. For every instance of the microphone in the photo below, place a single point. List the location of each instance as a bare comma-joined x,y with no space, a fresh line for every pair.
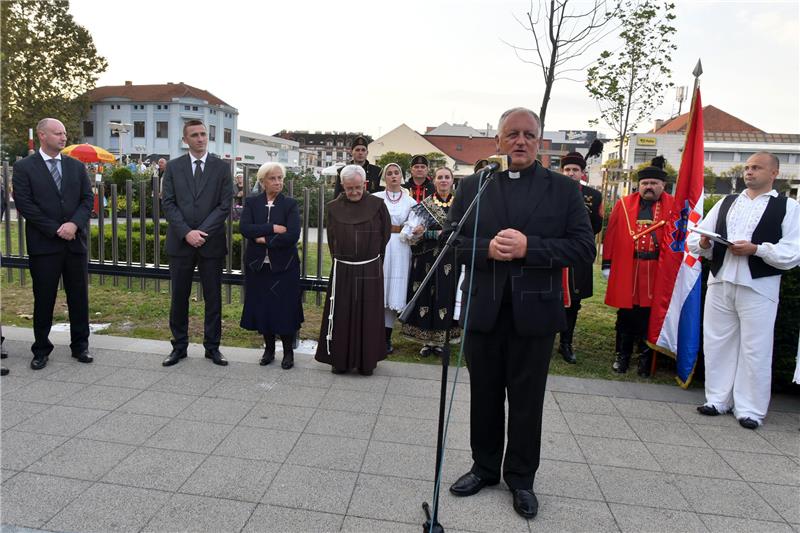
497,163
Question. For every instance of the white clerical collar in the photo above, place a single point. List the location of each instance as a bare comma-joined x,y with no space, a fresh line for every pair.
514,175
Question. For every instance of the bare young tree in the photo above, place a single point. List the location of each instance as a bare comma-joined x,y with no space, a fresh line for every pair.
562,31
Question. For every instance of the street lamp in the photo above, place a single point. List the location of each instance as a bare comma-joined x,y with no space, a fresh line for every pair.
120,128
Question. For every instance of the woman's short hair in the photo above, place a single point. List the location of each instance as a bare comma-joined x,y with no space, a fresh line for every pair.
266,168
351,171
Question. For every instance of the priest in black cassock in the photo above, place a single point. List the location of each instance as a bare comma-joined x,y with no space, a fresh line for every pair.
358,152
359,227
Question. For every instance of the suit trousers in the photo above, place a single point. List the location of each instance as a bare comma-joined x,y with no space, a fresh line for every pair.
738,331
502,362
46,271
181,272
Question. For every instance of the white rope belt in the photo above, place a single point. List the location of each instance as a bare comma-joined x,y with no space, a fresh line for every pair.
329,336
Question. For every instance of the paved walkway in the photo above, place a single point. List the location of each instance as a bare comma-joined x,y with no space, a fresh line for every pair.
127,445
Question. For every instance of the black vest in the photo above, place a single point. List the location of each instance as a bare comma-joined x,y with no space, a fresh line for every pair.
767,230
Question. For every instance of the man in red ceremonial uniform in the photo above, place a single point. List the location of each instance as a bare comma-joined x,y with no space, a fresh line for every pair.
630,261
420,185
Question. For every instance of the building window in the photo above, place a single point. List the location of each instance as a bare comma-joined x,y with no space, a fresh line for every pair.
138,128
194,108
88,128
226,136
186,108
162,130
643,156
719,156
212,133
113,132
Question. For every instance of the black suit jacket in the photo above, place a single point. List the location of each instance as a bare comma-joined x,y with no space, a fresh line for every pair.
554,219
373,179
282,247
45,207
581,275
204,205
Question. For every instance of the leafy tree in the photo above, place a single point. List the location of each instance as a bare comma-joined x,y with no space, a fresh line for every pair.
735,173
48,64
561,35
401,158
436,160
668,168
629,83
709,179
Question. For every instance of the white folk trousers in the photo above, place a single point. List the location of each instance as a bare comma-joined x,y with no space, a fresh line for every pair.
738,330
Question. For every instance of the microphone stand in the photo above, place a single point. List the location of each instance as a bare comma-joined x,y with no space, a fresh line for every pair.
432,525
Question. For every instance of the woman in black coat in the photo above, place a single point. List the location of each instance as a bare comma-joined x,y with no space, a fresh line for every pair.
271,223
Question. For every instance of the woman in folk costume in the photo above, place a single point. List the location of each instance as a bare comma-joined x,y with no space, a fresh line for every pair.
433,312
397,260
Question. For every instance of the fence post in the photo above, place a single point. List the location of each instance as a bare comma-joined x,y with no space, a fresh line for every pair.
101,218
142,232
320,230
114,232
304,259
129,228
7,219
157,229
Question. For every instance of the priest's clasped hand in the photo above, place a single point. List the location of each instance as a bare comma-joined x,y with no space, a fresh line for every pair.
507,245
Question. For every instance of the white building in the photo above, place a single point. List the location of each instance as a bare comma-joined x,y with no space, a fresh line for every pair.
255,149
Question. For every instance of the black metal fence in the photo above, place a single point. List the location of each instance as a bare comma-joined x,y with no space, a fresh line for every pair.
110,264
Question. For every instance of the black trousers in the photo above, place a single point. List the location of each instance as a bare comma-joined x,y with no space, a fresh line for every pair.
572,318
181,271
46,271
632,326
500,363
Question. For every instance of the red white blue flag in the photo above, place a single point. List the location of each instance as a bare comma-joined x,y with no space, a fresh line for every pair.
675,313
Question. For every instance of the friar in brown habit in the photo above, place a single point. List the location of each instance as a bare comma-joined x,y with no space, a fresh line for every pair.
359,226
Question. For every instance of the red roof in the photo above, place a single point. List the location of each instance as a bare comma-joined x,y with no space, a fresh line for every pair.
714,120
465,150
153,93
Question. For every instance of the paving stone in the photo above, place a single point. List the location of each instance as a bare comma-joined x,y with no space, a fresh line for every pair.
126,428
392,499
156,403
21,449
617,452
354,382
307,377
650,410
82,459
571,480
30,500
489,510
688,412
550,401
82,373
184,512
639,487
724,497
100,397
13,381
692,461
785,500
729,524
598,425
422,408
189,436
12,412
61,420
420,432
104,508
785,441
258,443
565,514
184,384
736,438
674,432
417,462
426,388
324,451
763,468
219,410
341,424
6,474
354,401
232,478
133,378
149,468
782,421
553,421
43,391
273,518
584,403
246,390
635,518
354,524
276,416
560,447
314,489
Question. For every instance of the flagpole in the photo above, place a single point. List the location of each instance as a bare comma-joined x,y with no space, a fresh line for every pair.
698,70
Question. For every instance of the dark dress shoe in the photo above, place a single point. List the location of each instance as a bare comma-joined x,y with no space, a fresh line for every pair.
708,410
335,370
365,372
566,353
39,362
288,361
3,371
267,358
470,484
525,503
83,357
748,423
216,357
174,357
425,351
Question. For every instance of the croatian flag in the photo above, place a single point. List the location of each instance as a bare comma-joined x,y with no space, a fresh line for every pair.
675,313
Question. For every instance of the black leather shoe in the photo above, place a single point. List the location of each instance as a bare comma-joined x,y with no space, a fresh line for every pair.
335,370
365,372
566,353
217,357
3,371
39,362
470,484
267,358
708,410
288,361
525,503
83,357
174,357
426,351
748,423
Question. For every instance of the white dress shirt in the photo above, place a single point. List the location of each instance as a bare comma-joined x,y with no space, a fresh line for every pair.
57,158
202,161
743,217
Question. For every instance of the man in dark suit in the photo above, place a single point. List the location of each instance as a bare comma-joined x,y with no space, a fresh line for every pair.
52,191
358,151
198,191
532,223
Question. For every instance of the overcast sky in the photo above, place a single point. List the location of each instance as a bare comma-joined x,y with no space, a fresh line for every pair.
370,66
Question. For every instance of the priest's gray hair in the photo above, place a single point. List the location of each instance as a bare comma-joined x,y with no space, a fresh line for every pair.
513,110
352,171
